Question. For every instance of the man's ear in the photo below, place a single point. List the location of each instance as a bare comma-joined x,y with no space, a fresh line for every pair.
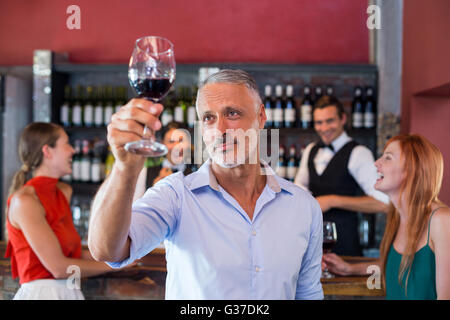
262,116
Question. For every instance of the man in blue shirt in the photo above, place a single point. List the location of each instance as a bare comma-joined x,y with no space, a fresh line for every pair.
233,229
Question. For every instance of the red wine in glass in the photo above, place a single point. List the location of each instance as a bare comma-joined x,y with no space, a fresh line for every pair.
151,73
328,245
152,89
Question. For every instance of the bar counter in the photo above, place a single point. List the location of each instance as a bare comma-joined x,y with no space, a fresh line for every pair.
147,281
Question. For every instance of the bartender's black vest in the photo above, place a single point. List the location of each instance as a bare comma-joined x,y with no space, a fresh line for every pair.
336,179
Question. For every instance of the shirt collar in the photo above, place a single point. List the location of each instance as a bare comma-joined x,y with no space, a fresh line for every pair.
204,176
340,141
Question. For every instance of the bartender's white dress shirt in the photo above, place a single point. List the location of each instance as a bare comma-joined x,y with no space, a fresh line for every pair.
361,166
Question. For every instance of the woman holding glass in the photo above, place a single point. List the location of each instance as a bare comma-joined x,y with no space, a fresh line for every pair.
415,250
43,245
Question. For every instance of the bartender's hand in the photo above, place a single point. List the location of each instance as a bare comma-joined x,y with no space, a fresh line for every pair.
326,202
127,125
336,264
164,172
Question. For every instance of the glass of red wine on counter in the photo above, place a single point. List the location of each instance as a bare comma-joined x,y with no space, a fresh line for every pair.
151,73
329,240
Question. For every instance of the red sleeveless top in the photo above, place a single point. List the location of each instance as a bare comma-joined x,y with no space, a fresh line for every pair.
24,262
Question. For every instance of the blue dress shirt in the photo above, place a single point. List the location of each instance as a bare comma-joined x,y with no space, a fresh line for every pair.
214,250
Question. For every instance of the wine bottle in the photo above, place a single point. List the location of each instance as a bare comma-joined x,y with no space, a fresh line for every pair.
99,107
181,108
330,91
167,115
291,169
281,167
120,98
76,162
317,93
357,109
88,109
86,163
369,109
65,107
268,105
109,106
77,109
306,108
191,111
109,162
289,111
278,112
96,167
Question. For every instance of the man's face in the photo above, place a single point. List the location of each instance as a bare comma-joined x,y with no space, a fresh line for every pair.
231,119
328,124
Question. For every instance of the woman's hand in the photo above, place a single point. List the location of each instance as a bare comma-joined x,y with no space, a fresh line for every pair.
336,265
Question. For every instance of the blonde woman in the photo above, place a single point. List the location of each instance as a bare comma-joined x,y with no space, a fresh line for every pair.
415,250
43,245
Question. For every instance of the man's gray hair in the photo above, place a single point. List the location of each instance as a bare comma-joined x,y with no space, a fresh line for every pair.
235,76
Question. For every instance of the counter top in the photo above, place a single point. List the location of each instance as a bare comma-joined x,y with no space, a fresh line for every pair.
151,269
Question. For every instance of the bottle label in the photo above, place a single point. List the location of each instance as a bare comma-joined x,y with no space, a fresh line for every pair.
369,120
179,114
306,110
289,115
269,115
108,114
96,172
76,170
64,114
166,118
98,116
192,115
290,172
88,114
76,115
281,171
85,171
278,115
357,120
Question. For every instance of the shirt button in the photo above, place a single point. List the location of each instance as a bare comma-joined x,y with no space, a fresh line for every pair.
253,233
257,269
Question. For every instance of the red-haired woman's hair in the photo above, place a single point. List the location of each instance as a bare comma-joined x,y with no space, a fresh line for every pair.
423,167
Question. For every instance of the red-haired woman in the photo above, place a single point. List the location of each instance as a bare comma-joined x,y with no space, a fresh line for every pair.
415,250
43,245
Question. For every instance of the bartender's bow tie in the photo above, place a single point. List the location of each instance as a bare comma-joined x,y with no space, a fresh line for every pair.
320,144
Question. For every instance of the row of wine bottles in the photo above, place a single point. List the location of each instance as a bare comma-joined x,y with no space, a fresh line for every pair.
91,163
283,111
288,162
91,106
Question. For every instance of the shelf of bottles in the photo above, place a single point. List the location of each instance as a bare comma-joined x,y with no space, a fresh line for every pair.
294,117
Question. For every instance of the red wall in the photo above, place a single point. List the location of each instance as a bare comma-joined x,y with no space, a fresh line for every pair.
284,31
426,76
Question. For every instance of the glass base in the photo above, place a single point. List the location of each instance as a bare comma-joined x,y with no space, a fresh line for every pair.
146,148
327,275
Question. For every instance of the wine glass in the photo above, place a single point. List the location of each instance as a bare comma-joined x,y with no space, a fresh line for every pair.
329,240
151,73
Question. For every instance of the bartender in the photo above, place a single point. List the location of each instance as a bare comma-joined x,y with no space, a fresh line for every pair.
341,174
